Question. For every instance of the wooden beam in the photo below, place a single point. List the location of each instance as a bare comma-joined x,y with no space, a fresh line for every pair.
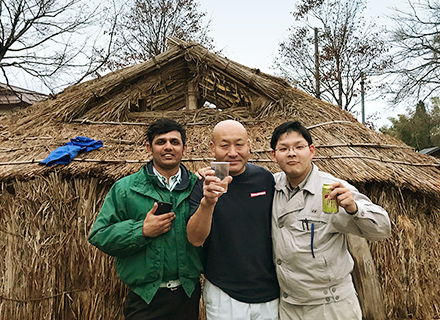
191,96
365,279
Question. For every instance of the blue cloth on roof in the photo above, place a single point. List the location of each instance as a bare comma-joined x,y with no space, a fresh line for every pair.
66,153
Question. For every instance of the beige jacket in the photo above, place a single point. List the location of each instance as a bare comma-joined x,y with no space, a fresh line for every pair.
310,247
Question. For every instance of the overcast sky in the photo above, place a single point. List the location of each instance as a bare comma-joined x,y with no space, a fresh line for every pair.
249,32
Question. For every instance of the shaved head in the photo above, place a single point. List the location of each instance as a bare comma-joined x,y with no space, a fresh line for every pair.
227,126
230,143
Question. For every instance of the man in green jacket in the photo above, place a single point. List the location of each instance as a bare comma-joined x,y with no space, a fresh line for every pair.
152,253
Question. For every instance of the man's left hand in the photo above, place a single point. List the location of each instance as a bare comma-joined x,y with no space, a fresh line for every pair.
344,197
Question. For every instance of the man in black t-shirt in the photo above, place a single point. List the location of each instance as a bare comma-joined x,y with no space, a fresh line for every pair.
234,229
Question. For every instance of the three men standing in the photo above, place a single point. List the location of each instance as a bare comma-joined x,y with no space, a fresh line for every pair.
259,223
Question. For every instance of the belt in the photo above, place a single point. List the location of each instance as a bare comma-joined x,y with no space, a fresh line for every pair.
172,284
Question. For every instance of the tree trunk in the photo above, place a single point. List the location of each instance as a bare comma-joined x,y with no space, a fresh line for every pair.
365,279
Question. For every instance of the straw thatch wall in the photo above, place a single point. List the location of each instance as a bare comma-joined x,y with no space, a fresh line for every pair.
49,271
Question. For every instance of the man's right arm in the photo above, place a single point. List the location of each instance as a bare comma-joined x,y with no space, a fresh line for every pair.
199,224
114,232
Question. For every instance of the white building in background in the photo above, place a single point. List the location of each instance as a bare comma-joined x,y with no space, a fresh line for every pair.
14,98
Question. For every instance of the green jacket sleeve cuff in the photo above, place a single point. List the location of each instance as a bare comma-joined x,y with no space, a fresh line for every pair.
138,238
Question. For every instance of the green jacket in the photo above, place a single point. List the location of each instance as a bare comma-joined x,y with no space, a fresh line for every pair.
117,231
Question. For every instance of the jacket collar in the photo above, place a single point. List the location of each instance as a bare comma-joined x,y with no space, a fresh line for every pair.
184,179
308,184
297,201
146,178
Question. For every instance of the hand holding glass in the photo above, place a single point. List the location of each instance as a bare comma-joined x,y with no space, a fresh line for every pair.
221,171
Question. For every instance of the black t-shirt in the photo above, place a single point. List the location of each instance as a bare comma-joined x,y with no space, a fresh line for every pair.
238,251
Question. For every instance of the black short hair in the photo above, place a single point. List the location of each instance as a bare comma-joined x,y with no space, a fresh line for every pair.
290,126
165,125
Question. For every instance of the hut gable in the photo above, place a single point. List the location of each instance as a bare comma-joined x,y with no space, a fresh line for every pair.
187,76
47,212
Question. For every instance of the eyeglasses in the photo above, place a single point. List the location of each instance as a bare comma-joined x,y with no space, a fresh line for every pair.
288,149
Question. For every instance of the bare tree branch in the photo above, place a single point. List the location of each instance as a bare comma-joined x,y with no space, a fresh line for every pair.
148,23
348,48
416,38
53,40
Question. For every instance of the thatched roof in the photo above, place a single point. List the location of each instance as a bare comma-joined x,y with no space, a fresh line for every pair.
160,86
179,83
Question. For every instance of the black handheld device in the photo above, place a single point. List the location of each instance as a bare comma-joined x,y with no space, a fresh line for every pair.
163,207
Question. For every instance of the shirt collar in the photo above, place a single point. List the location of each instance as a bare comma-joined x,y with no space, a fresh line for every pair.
174,180
292,191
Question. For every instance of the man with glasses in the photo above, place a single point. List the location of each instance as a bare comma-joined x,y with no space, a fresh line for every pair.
312,260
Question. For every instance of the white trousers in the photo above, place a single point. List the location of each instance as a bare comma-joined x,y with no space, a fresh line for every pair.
220,306
347,309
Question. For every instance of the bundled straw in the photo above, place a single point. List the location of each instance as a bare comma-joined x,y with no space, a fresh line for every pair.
48,269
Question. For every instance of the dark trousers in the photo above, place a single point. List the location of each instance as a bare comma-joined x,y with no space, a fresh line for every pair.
167,304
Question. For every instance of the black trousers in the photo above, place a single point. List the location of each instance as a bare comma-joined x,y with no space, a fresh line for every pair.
167,304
